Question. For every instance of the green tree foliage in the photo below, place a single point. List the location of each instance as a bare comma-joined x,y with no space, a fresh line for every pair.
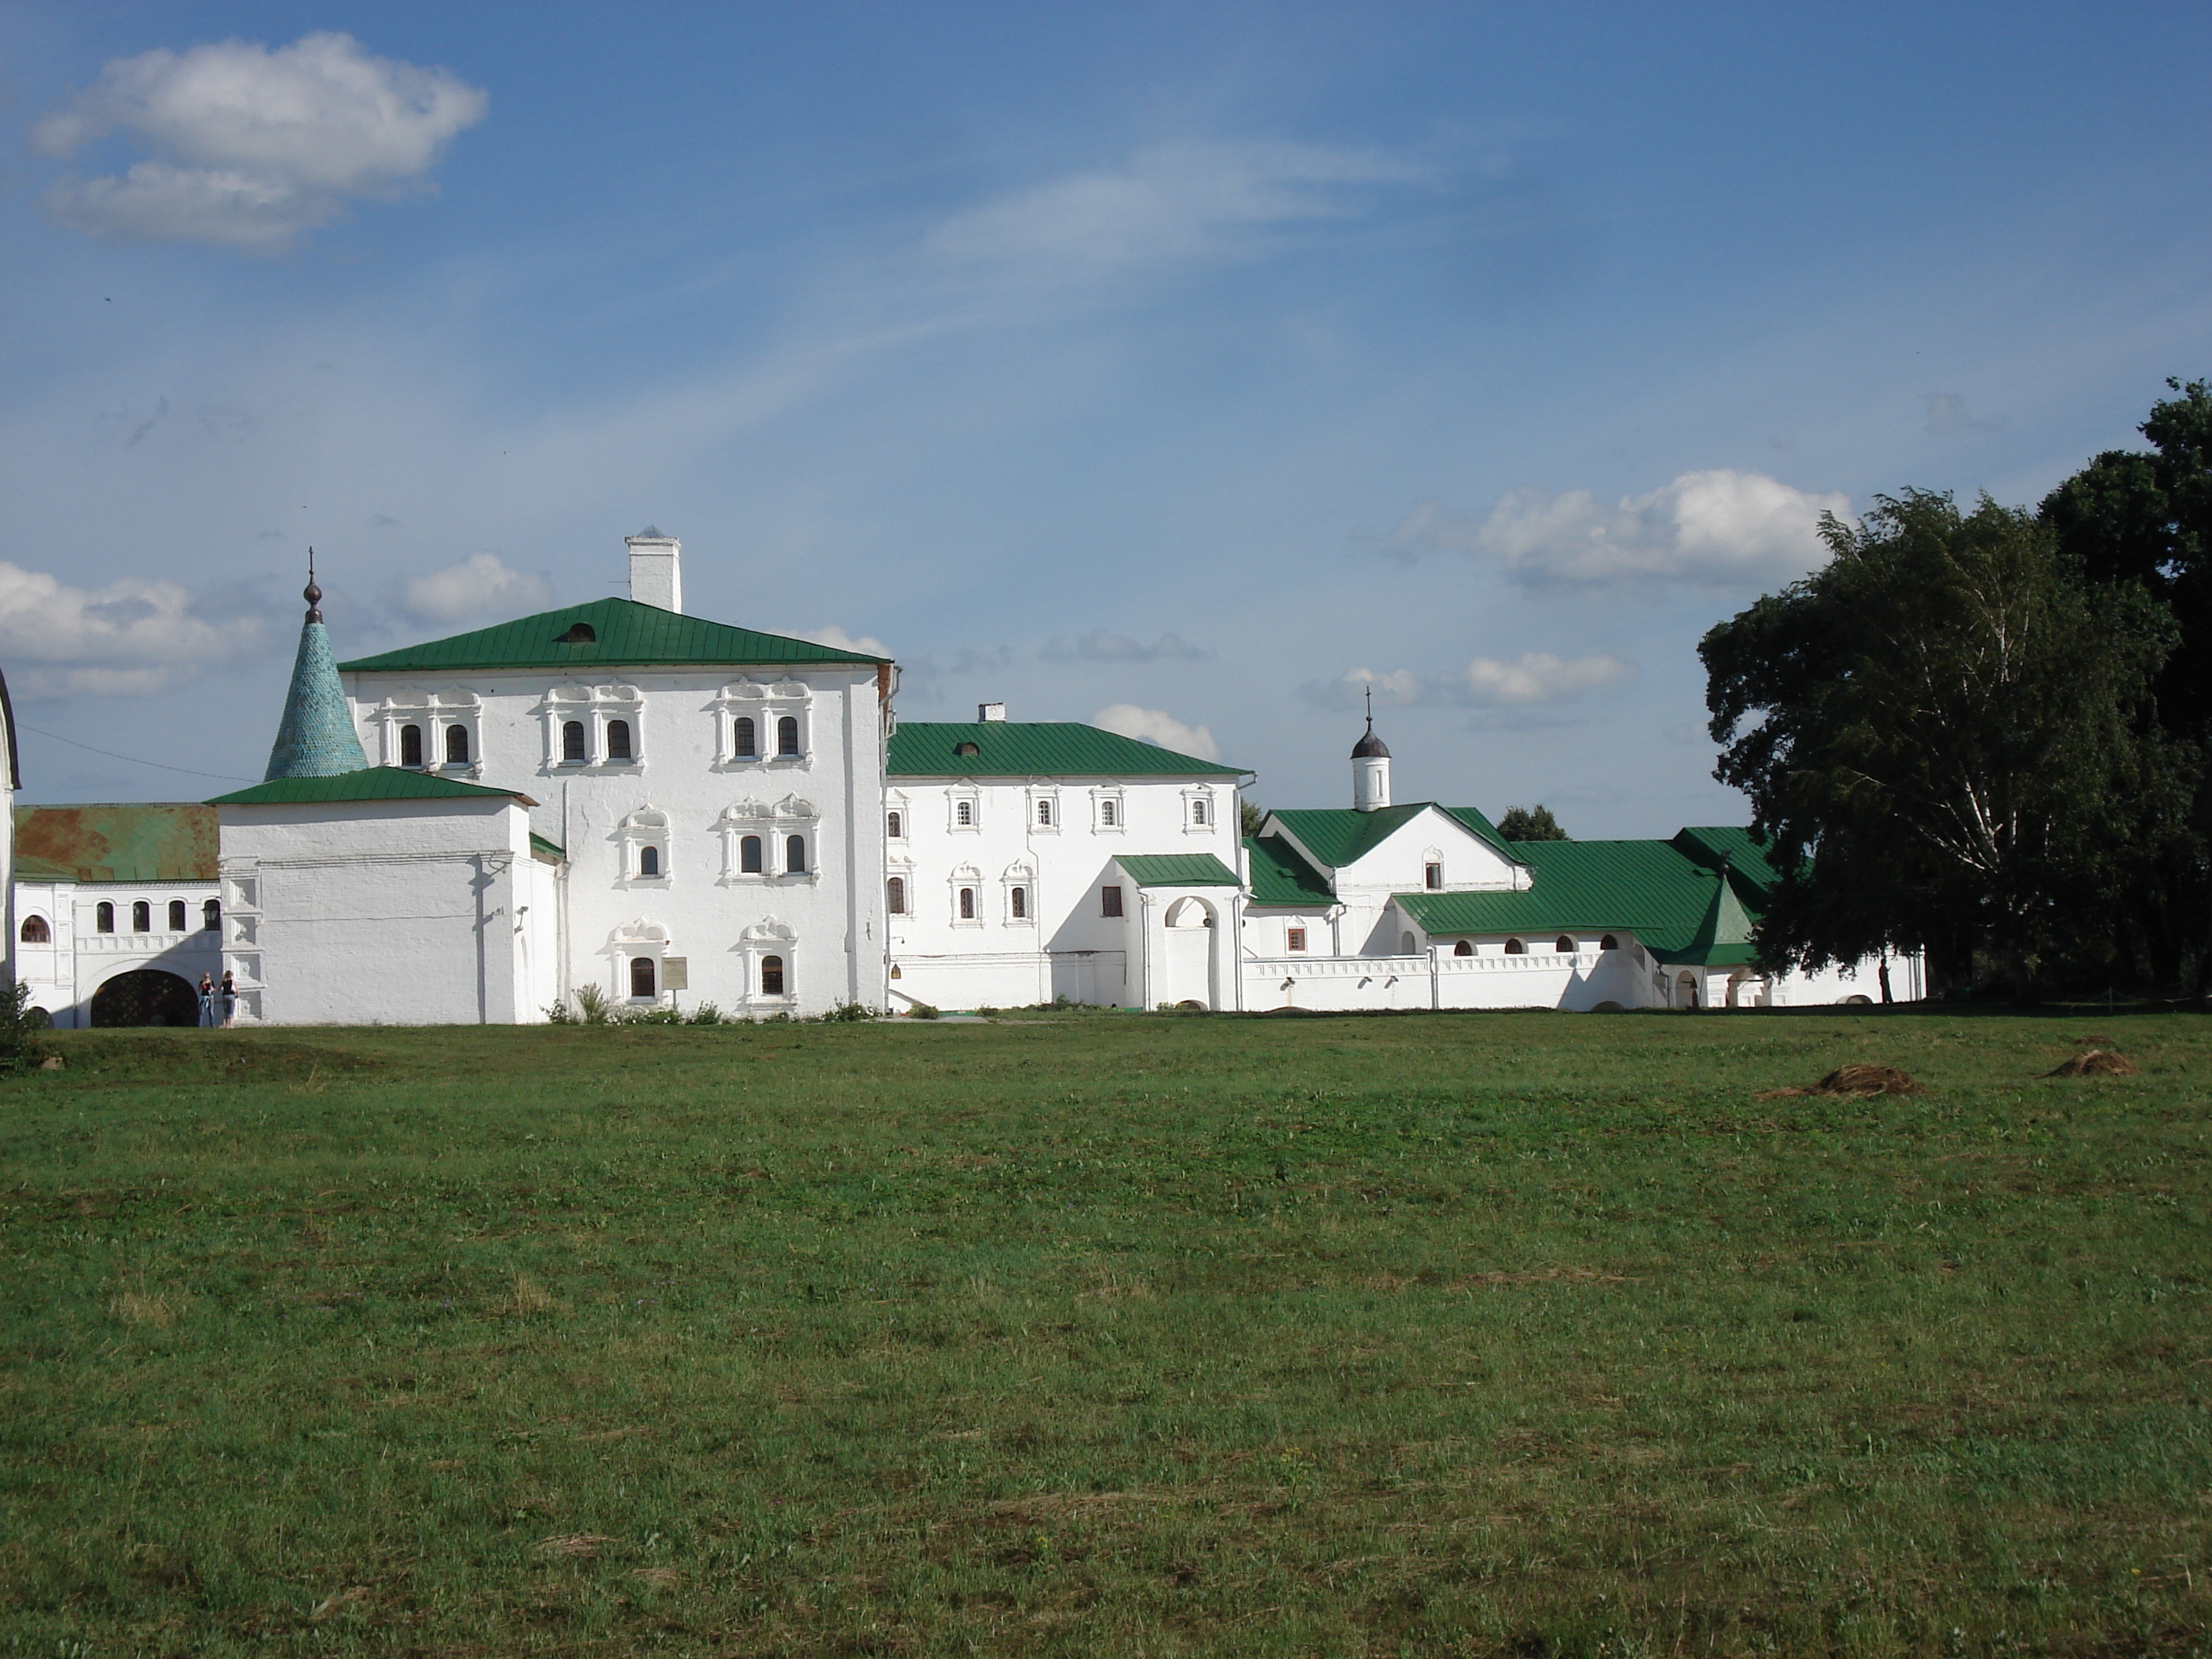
2142,520
1531,823
1939,730
1249,817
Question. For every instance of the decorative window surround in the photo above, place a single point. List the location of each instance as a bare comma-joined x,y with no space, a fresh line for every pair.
430,713
774,826
766,707
769,938
638,938
1020,877
1200,812
970,880
594,707
1044,811
898,818
648,827
964,809
1110,811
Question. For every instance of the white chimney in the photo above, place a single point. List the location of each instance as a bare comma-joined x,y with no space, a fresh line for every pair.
990,711
656,570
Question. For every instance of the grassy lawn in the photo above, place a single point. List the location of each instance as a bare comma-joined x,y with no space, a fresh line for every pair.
1110,1334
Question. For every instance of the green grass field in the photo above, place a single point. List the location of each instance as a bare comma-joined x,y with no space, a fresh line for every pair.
1109,1335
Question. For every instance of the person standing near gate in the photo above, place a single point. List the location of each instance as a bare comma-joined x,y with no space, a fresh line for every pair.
207,1000
229,998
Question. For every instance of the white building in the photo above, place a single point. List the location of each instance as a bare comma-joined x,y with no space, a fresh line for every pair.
115,911
1028,860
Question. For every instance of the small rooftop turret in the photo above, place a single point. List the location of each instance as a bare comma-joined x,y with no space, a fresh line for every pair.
1371,766
315,738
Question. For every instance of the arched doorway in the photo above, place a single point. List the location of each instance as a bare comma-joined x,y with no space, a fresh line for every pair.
145,996
1686,991
1187,973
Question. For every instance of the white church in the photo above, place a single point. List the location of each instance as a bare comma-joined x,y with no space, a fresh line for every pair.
673,812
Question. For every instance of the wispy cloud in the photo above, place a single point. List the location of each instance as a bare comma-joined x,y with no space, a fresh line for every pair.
1157,726
1101,646
252,147
838,640
127,639
1716,528
1947,412
1534,677
480,585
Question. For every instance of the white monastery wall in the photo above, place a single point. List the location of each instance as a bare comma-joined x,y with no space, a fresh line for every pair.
66,971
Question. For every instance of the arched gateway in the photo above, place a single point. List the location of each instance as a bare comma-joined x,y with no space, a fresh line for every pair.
145,996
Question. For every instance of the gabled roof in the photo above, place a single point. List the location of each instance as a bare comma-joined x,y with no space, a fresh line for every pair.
1682,910
1713,845
629,635
1338,836
1035,748
1177,870
1280,875
373,783
151,841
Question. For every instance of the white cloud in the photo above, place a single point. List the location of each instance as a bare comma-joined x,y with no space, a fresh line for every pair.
1947,412
251,146
127,639
838,640
1538,676
1716,528
1101,646
1172,204
1154,725
1532,678
479,585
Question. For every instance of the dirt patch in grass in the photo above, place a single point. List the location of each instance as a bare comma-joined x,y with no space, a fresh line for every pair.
2096,1062
1856,1082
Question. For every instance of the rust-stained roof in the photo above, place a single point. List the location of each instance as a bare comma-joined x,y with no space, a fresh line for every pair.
147,841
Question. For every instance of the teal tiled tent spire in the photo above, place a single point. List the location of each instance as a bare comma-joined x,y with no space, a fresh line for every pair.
316,738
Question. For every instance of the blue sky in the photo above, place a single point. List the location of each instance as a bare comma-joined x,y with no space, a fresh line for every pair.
1182,366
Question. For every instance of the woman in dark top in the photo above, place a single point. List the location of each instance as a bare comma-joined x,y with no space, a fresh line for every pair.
229,998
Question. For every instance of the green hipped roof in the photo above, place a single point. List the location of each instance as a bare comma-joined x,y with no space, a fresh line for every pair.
1034,749
1338,836
155,841
1280,875
1680,909
372,783
630,635
1713,845
1177,870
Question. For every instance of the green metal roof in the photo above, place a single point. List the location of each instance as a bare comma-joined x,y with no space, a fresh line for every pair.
155,841
1338,836
374,783
1035,748
546,849
1713,845
1177,870
630,635
1280,875
1669,901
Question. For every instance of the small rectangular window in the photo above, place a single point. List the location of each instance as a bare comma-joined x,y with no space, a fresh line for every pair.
1297,940
1109,901
1436,877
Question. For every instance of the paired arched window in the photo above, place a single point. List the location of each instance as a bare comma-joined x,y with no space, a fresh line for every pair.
966,904
572,743
103,916
963,813
787,735
649,862
410,746
141,917
1515,947
1017,903
771,976
643,980
749,856
36,931
618,740
1608,943
457,745
895,896
211,915
176,915
746,739
794,855
1464,948
895,826
1563,945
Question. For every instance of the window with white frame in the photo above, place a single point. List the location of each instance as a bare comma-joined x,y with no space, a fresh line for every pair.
1198,811
763,724
1020,883
636,952
895,896
964,809
1107,814
762,842
645,845
1295,939
1045,811
965,887
896,815
431,731
770,952
594,726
